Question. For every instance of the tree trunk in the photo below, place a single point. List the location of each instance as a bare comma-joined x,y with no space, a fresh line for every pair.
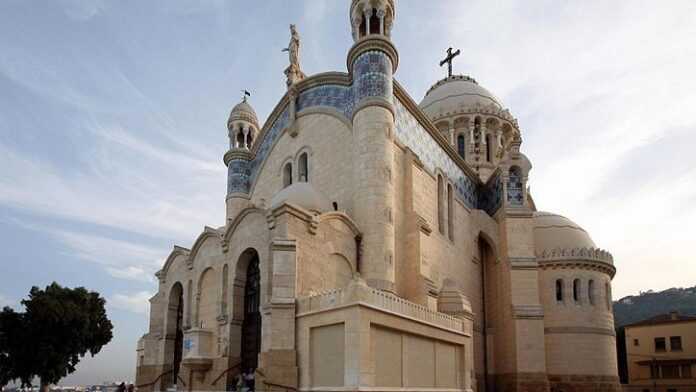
44,386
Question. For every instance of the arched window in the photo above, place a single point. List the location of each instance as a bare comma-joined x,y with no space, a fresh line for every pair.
250,138
559,290
576,290
515,193
461,146
440,206
362,31
287,175
450,213
303,168
240,138
590,292
374,22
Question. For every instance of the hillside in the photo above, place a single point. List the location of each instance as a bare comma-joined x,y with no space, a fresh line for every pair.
649,303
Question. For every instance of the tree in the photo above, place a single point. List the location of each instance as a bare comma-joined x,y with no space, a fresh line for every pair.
60,325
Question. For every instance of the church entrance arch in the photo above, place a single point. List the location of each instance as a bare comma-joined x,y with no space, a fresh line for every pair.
247,310
175,330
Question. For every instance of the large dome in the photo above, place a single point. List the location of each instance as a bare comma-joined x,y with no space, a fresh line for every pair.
455,93
553,231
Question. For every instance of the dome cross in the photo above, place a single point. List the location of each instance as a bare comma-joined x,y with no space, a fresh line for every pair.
448,60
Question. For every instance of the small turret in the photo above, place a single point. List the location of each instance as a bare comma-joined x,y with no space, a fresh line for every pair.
243,129
242,126
371,63
371,17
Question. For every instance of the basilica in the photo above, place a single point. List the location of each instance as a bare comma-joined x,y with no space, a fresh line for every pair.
374,243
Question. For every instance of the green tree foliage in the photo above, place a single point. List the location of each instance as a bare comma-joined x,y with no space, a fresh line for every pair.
649,304
59,326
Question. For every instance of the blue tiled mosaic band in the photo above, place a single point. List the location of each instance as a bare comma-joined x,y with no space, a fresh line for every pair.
241,173
238,175
372,76
330,95
515,191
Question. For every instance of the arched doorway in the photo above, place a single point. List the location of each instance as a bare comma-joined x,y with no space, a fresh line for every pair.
489,309
251,326
175,330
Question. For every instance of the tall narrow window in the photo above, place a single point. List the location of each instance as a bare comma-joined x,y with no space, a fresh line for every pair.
590,292
303,168
576,290
223,294
450,213
240,138
489,148
607,294
461,146
362,31
187,305
440,207
287,175
559,290
374,22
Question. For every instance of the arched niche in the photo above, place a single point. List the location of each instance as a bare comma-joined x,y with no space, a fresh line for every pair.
174,332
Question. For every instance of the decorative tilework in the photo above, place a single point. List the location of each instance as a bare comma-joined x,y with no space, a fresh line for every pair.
413,135
335,96
515,191
491,195
242,173
238,174
372,75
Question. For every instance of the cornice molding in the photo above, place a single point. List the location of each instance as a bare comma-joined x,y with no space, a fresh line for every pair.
372,42
236,153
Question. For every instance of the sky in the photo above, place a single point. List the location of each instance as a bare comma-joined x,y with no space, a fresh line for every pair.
113,126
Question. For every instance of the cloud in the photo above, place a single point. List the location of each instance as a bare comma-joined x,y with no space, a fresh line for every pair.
7,301
138,302
121,259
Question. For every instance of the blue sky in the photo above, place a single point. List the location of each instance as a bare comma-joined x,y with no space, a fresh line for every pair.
113,113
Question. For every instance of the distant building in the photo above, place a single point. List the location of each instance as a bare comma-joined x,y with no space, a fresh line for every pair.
661,354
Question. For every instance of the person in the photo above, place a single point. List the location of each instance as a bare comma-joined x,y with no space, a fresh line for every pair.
241,384
121,387
131,388
249,379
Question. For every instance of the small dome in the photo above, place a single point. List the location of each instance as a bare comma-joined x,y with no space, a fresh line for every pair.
244,112
553,231
454,93
304,195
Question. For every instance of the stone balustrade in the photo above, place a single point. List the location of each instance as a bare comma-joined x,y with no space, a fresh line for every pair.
357,292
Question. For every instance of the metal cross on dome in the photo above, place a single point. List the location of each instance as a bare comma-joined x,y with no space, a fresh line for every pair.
448,60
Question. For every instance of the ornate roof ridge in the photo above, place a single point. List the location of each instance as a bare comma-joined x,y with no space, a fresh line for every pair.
571,254
490,109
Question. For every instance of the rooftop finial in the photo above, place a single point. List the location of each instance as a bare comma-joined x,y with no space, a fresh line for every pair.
245,94
293,72
448,60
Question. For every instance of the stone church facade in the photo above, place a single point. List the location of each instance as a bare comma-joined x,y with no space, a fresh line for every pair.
373,243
